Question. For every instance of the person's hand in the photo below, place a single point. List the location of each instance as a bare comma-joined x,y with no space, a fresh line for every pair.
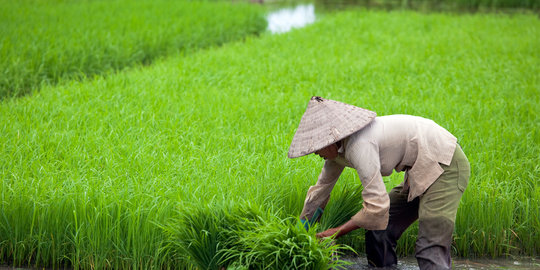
328,233
339,231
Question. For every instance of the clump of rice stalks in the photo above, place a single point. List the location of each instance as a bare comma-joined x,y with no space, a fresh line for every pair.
201,232
342,206
223,235
284,244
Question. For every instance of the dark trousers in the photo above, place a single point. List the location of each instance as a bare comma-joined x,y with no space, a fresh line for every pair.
435,211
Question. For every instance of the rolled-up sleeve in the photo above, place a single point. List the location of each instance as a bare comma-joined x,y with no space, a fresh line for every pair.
364,156
319,194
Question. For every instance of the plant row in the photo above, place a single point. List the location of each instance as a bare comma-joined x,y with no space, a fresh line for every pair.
43,42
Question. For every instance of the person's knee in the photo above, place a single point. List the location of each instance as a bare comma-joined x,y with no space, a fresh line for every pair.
435,231
434,241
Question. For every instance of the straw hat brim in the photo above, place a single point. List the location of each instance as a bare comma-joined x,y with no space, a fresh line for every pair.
326,122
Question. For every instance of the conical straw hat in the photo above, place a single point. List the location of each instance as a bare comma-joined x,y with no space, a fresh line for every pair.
326,122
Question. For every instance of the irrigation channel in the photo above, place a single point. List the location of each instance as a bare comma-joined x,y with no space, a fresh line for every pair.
282,20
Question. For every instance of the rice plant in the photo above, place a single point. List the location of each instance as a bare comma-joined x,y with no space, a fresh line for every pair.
43,42
284,244
237,235
344,204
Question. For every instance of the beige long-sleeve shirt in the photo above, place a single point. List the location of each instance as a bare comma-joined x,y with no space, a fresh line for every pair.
395,142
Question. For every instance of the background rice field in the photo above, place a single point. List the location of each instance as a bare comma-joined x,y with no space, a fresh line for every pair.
182,163
43,42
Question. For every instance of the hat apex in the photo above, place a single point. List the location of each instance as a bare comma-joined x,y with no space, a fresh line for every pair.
326,122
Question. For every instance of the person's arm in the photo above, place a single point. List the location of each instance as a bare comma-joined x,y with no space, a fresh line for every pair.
374,213
318,195
344,229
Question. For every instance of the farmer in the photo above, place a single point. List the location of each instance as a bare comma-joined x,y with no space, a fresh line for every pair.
436,174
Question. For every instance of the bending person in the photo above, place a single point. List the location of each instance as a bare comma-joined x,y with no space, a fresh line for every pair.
436,175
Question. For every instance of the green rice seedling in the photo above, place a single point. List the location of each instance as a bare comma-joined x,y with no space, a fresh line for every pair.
237,235
342,206
202,233
43,42
285,244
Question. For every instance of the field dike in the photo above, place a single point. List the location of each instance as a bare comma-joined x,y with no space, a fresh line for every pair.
182,163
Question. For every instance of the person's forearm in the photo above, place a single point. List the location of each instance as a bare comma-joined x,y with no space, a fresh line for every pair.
346,228
339,231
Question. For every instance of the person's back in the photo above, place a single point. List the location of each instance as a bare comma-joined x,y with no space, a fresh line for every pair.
403,142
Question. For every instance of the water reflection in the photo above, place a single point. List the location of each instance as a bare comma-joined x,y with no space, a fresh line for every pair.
284,20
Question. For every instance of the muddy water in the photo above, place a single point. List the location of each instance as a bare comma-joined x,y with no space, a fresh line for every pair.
409,263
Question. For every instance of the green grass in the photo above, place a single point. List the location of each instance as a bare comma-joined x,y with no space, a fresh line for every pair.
100,173
43,42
